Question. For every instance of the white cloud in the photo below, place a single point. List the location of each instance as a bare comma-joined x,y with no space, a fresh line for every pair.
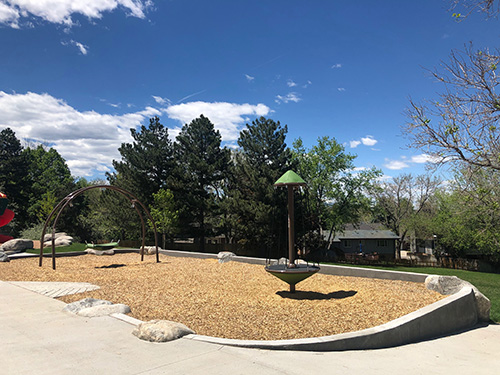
61,11
366,141
423,158
82,47
9,16
396,164
161,101
354,144
290,97
228,118
88,140
309,83
336,66
341,89
249,78
290,83
406,163
369,140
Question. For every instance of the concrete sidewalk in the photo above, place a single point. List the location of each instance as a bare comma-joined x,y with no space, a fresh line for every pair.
36,337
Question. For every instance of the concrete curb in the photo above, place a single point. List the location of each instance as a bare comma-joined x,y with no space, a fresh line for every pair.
449,315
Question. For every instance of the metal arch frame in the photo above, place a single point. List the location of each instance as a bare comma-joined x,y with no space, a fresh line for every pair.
65,201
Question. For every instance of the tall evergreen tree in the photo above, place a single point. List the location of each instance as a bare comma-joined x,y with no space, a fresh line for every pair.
259,208
202,166
14,181
146,164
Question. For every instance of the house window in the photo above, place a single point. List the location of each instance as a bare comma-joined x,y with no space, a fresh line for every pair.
346,243
382,243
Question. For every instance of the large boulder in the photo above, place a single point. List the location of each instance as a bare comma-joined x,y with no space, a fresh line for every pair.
150,250
77,306
451,284
225,256
90,308
16,246
100,252
4,257
48,237
61,239
161,331
104,310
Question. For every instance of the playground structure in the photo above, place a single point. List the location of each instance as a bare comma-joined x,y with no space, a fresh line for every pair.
135,203
6,216
291,272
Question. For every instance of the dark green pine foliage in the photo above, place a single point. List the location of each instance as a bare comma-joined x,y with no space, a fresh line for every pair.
202,167
146,164
260,209
14,181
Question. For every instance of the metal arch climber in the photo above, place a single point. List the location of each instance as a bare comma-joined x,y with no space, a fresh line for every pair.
66,201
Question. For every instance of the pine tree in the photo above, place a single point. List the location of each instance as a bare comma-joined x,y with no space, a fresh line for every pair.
202,166
14,180
146,164
260,209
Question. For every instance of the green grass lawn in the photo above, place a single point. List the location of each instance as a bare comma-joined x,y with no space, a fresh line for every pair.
487,283
61,249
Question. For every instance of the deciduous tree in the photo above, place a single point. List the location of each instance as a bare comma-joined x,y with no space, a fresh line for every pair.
462,125
402,199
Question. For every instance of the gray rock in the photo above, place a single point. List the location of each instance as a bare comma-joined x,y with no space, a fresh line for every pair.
48,237
225,256
91,307
451,284
77,306
161,331
59,241
4,257
283,261
100,252
104,310
16,246
150,250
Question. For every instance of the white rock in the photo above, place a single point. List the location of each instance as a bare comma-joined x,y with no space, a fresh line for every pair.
283,261
100,252
59,241
48,237
150,250
77,306
161,331
451,284
104,310
225,256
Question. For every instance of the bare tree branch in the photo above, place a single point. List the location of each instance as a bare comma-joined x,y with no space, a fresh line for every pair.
490,7
463,124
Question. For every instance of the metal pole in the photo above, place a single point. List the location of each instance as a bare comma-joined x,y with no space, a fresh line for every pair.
291,229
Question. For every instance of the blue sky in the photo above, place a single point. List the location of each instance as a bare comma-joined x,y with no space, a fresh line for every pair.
78,74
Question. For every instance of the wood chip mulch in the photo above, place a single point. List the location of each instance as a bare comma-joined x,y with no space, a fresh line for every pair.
230,300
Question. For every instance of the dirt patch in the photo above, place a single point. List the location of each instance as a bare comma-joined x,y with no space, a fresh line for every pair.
231,300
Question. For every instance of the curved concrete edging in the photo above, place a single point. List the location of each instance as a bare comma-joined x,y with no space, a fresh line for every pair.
449,315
